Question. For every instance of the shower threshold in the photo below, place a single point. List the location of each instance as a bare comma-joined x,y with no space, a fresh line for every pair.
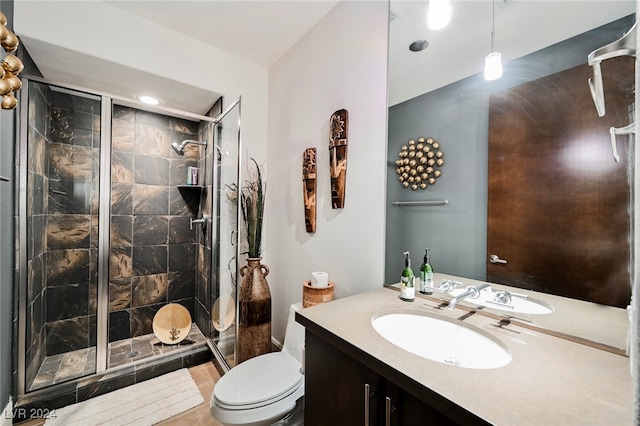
72,365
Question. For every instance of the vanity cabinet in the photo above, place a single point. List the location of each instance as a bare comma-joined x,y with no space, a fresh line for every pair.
342,391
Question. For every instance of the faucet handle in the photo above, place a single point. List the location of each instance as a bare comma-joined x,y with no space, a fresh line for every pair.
449,285
202,220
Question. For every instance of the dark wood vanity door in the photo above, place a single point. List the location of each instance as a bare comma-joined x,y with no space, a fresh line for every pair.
335,394
559,206
335,387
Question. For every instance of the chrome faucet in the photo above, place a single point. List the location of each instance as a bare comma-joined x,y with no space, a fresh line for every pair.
471,292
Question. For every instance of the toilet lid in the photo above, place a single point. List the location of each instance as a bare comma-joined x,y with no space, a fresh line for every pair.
259,381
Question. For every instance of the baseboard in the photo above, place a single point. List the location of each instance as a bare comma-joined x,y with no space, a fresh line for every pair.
7,414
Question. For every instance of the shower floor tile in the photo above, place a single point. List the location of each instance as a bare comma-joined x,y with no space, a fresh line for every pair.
71,365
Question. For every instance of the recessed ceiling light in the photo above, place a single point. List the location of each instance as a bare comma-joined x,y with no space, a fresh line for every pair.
418,45
149,100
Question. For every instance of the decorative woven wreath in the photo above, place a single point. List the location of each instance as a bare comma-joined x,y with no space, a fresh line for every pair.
419,163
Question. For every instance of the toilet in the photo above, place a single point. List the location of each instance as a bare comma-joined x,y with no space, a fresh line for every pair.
263,390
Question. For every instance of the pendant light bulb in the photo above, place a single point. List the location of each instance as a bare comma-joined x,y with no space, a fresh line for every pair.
493,61
438,14
493,66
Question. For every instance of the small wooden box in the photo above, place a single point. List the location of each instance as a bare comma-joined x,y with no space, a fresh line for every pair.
312,296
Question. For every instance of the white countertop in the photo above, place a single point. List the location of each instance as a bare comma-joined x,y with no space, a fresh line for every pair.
549,381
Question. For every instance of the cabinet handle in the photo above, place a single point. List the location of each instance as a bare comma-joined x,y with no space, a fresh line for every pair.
387,420
4,179
367,391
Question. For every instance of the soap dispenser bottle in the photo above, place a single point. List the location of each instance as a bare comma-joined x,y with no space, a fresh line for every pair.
407,279
426,274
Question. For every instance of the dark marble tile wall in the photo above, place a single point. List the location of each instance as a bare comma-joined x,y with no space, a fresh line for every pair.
206,270
38,186
153,256
70,232
153,251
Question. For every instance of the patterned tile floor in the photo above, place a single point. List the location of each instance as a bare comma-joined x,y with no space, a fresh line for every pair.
205,376
71,365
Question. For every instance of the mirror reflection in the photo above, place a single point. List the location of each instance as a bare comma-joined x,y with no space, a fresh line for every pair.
529,194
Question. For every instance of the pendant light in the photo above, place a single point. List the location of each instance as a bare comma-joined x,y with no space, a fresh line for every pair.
438,14
493,61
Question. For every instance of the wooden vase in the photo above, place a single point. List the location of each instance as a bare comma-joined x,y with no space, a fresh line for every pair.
254,326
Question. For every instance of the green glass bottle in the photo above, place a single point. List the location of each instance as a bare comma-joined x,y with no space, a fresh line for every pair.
407,280
426,274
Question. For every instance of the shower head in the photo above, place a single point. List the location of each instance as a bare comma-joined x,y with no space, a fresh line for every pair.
179,147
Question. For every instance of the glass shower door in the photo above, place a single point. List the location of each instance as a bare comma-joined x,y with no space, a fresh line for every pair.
59,234
225,258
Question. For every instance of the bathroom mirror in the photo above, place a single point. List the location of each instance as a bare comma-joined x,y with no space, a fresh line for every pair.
440,92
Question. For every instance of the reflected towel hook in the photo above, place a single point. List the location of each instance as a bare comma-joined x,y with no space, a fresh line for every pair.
597,92
626,45
613,131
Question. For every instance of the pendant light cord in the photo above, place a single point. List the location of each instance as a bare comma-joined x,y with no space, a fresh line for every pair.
493,25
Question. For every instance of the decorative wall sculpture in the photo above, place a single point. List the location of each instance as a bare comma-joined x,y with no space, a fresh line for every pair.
11,66
309,188
419,163
339,129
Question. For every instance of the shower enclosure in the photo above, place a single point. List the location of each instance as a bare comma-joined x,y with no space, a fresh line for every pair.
110,231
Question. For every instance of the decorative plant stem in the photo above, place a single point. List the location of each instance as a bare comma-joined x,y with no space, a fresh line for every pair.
252,202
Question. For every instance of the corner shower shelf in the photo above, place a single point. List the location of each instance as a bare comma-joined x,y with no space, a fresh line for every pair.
198,187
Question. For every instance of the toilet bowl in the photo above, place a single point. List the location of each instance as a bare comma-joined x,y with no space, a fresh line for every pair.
264,389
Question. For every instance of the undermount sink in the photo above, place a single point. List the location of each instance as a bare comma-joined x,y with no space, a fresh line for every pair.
519,304
442,339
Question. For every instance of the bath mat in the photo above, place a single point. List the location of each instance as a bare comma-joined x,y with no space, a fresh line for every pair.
144,403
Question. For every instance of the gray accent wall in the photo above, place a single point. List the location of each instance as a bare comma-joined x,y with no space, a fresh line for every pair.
7,131
457,116
7,138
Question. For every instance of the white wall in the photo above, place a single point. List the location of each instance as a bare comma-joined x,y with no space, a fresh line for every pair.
339,63
103,31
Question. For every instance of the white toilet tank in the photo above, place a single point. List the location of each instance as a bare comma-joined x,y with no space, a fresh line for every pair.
294,337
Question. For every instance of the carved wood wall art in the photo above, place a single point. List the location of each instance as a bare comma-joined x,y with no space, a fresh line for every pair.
339,129
309,188
419,163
